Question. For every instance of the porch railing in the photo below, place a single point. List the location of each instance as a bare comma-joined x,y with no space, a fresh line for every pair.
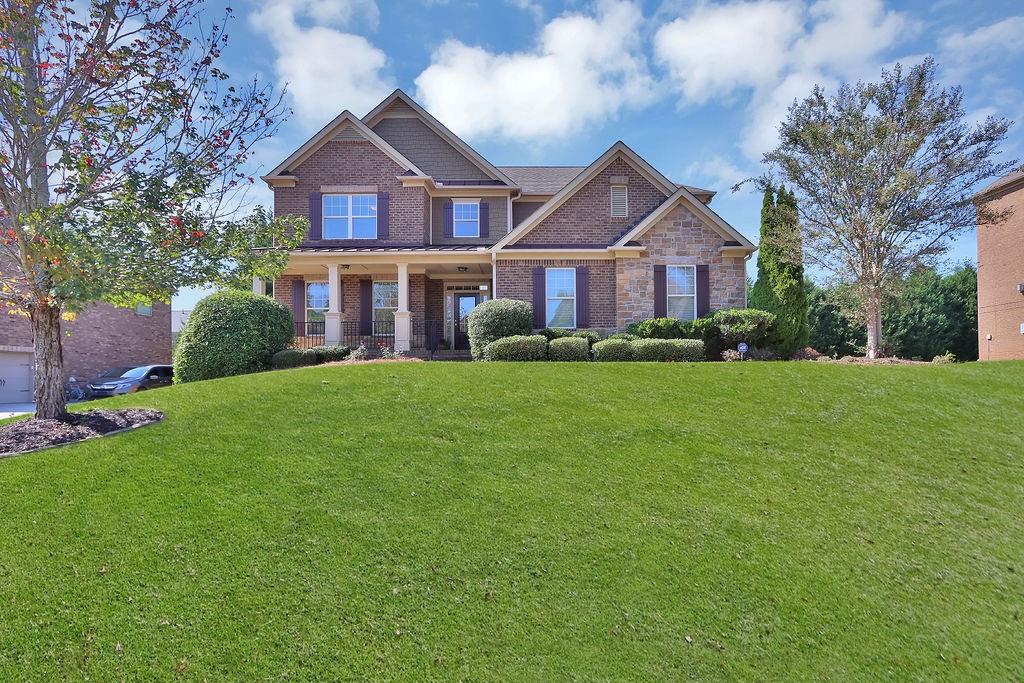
426,334
309,334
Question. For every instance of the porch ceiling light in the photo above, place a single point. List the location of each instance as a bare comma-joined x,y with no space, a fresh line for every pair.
344,266
463,269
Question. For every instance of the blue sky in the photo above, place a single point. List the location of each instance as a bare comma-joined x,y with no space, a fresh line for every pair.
697,88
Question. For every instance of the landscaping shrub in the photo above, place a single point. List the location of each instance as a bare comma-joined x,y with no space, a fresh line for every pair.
569,349
293,358
727,328
331,354
231,333
667,350
592,336
497,318
657,328
944,358
628,336
806,353
613,349
518,347
555,333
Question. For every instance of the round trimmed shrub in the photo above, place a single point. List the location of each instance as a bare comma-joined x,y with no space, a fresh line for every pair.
497,318
517,348
555,332
667,350
591,336
657,328
569,349
613,350
293,358
331,354
231,333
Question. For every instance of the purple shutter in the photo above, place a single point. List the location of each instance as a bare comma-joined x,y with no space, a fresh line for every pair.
582,297
299,306
449,219
316,223
539,314
485,219
366,307
382,215
703,291
660,292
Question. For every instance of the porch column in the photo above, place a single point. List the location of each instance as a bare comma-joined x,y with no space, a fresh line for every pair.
403,318
332,318
257,286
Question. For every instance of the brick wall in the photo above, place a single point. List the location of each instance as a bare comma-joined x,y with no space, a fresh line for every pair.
497,221
515,281
425,148
585,218
283,287
435,300
680,238
357,163
1000,270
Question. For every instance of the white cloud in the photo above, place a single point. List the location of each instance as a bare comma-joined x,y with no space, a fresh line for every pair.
584,69
848,35
327,70
961,53
719,173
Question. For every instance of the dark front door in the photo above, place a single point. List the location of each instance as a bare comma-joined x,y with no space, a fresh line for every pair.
464,305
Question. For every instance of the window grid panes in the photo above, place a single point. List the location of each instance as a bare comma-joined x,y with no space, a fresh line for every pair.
316,301
560,288
385,302
349,216
467,219
681,288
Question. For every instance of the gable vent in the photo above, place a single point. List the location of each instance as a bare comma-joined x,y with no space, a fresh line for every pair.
620,201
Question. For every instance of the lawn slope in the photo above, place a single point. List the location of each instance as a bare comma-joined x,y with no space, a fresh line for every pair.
539,522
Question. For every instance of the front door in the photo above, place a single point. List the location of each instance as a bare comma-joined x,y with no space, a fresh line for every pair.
464,305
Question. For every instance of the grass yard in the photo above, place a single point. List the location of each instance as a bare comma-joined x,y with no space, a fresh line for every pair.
531,522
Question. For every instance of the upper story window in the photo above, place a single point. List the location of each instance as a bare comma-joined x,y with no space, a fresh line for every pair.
466,218
144,309
681,288
560,293
620,201
316,301
350,216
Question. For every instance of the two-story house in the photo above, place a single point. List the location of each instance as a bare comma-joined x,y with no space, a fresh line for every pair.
411,228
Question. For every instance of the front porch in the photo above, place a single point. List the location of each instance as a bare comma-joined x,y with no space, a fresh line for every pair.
417,305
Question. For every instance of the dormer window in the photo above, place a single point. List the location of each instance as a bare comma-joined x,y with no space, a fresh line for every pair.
350,216
620,201
466,218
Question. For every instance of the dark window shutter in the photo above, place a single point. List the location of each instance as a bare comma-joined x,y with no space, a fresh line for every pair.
316,223
660,292
582,297
485,219
366,307
382,215
299,306
703,291
449,219
539,297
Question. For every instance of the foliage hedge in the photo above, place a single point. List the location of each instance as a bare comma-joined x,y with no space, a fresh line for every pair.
569,349
612,349
497,318
517,348
719,331
658,328
331,354
670,350
553,333
293,358
231,333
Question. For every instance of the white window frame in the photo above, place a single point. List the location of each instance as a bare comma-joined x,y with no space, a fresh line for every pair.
669,297
373,301
305,301
456,221
548,297
349,234
611,200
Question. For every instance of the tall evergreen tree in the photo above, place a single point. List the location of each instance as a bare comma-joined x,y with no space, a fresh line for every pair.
780,273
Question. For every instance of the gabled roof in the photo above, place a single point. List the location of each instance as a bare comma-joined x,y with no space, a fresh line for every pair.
684,196
616,151
1008,182
344,120
378,112
542,179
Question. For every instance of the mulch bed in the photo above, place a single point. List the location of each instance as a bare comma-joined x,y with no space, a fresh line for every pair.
30,434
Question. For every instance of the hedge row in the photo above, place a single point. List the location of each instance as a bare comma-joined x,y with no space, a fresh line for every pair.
537,348
296,358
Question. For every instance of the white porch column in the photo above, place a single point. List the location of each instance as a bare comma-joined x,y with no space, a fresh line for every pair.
403,318
257,286
332,322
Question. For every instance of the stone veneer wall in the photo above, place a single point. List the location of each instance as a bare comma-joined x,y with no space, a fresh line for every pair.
515,281
680,238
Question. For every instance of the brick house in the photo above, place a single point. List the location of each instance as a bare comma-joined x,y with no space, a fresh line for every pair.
411,228
1001,272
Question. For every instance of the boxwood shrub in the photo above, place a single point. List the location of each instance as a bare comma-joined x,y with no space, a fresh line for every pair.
569,349
613,350
231,333
518,347
657,328
331,354
293,358
675,350
552,333
497,318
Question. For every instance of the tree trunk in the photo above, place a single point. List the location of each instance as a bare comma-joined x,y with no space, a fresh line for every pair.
49,375
873,310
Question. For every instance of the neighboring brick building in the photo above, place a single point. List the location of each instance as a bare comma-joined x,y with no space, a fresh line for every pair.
411,228
1001,272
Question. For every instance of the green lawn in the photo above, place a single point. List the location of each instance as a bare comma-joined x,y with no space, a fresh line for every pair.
538,522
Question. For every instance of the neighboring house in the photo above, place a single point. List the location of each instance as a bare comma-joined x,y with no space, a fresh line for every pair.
411,228
1001,272
98,338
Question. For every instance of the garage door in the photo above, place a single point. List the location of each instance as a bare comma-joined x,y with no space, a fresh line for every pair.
15,377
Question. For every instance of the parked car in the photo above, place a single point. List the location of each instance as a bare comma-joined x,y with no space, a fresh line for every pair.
128,380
